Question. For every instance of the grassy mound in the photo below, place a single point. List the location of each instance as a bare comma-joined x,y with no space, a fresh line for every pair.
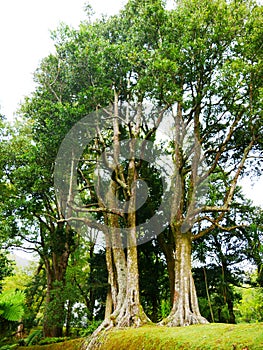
74,344
199,337
202,337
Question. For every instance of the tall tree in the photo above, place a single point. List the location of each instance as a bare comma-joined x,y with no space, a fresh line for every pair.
215,77
125,73
30,211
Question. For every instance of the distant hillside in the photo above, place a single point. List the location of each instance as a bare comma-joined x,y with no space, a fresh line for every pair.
22,261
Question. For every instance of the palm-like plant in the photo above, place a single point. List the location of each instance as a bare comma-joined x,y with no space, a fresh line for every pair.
12,305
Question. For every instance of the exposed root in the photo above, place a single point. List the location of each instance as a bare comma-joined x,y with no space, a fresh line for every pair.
131,316
119,319
175,319
97,337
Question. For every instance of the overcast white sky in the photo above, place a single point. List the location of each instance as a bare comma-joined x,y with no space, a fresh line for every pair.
25,40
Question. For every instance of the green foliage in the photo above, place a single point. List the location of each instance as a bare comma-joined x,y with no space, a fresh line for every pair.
53,340
6,268
86,282
35,295
154,281
54,310
165,308
26,280
12,305
20,278
8,347
92,326
205,56
34,337
250,307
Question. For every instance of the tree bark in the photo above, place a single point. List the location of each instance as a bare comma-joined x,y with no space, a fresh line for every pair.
125,305
123,274
54,313
185,310
128,310
54,309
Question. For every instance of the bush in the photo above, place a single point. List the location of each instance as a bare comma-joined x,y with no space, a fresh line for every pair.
21,342
90,329
165,308
34,337
8,347
250,308
53,340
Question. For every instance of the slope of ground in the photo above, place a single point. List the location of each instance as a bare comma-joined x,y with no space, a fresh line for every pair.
202,337
199,337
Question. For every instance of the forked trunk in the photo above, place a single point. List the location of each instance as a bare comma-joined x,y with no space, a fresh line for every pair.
122,268
127,310
185,310
130,312
124,280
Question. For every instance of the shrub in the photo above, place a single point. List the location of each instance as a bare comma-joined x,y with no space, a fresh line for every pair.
90,329
8,347
53,340
34,337
250,308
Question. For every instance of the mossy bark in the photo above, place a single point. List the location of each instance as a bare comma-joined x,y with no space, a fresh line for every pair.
56,266
185,310
127,310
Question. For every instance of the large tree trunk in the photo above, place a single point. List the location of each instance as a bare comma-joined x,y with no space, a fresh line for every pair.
130,313
54,308
124,279
123,297
54,314
185,310
122,268
125,282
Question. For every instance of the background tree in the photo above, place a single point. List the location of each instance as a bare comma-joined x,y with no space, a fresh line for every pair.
31,212
6,268
154,281
253,238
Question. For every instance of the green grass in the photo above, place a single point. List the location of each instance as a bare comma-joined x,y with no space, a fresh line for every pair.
74,344
199,337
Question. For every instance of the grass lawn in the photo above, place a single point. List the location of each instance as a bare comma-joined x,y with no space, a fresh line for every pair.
74,344
202,337
151,337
